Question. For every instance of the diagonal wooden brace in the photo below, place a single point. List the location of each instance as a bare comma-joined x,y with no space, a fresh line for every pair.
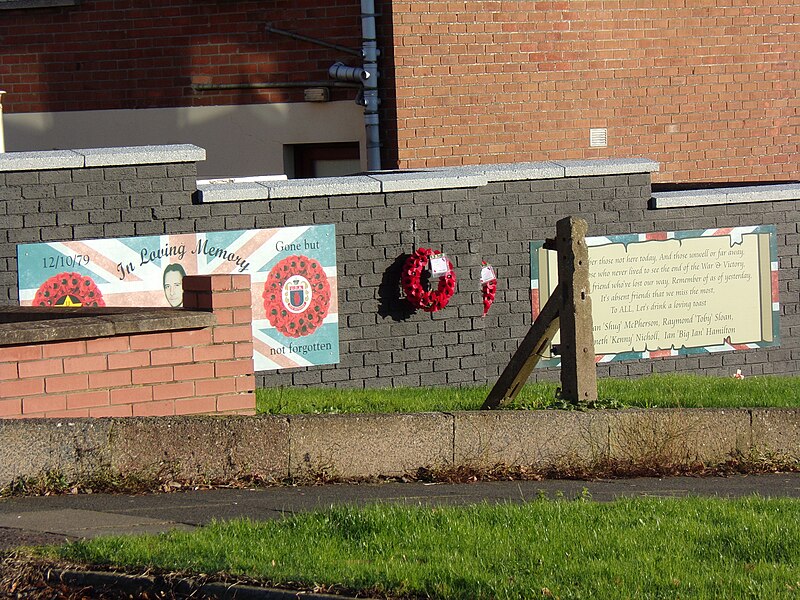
528,354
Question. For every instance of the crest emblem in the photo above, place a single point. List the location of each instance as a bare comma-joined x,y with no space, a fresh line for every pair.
296,294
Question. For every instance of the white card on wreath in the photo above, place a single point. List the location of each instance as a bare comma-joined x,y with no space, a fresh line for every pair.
488,274
439,265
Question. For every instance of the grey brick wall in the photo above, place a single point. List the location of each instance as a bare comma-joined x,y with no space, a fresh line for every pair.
383,342
514,213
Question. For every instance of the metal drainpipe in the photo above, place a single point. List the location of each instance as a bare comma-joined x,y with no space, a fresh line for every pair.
2,133
370,52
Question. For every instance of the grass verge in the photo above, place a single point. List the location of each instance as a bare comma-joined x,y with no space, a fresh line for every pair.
655,391
633,548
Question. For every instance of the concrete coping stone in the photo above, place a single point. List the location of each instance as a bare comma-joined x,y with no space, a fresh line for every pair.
612,166
322,186
230,192
33,325
12,4
727,195
412,181
100,157
418,180
34,161
512,171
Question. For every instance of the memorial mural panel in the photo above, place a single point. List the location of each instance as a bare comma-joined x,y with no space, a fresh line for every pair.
292,271
675,293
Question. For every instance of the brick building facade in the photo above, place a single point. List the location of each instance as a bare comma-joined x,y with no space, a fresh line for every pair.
708,89
97,74
99,55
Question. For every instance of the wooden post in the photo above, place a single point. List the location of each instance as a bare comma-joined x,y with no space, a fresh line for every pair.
570,308
578,371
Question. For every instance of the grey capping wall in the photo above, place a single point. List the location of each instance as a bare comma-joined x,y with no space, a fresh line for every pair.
488,212
726,195
11,4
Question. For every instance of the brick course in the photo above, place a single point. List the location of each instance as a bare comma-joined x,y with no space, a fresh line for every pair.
117,379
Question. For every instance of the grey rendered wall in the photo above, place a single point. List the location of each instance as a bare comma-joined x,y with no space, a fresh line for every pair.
383,342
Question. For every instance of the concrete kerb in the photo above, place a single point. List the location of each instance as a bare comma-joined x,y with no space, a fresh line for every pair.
143,585
30,447
324,447
368,445
776,433
678,437
548,440
201,448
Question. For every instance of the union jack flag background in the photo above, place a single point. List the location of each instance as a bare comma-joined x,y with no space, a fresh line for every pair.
135,272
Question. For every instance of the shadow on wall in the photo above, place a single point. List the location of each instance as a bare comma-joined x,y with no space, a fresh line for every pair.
390,302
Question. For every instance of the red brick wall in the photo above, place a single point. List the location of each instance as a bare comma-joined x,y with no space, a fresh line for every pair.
194,371
128,54
710,89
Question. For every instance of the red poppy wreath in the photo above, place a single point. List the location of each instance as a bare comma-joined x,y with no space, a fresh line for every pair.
297,296
489,290
417,293
68,289
488,287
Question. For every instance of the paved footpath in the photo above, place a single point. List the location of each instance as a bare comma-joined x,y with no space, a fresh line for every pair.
54,519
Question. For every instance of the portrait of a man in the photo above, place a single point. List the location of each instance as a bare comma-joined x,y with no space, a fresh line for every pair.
173,284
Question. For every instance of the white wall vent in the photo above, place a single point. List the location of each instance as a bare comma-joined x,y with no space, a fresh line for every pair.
598,138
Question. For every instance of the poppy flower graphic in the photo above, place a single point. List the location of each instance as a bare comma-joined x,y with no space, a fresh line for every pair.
69,289
297,296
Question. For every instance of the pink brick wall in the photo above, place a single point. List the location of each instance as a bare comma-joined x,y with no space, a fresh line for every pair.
197,371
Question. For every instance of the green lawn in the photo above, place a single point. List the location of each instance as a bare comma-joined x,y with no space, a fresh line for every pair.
634,548
648,392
